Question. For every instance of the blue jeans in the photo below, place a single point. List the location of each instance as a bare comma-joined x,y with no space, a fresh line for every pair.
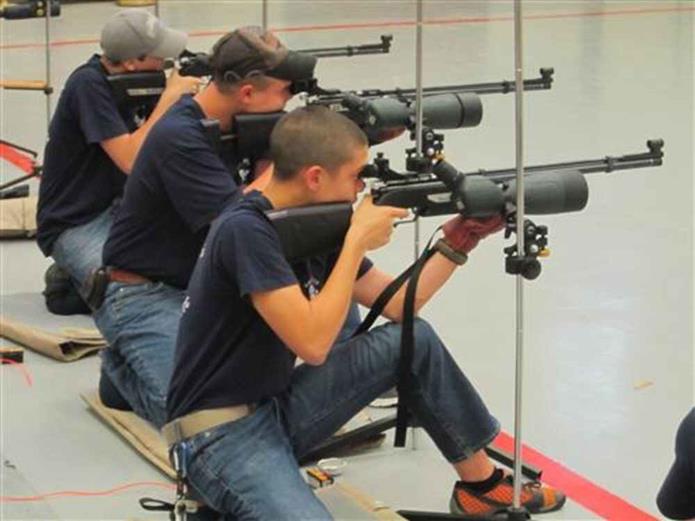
78,250
352,322
140,323
248,468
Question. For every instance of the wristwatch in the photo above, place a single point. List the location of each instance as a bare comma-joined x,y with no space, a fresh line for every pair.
457,257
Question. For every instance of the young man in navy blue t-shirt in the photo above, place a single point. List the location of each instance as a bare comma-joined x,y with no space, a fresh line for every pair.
237,400
93,141
179,184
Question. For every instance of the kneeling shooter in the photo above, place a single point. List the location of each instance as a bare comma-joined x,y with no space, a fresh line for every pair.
236,399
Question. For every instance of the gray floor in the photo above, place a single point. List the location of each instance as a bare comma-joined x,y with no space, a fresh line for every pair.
609,340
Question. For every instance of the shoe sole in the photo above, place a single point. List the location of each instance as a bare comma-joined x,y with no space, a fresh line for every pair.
454,509
384,403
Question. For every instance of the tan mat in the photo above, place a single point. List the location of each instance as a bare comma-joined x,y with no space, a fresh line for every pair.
67,344
136,431
18,217
343,500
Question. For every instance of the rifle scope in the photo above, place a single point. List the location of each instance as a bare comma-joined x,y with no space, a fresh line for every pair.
544,192
444,111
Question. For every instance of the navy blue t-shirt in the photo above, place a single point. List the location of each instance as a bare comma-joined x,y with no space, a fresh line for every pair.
226,354
178,185
79,179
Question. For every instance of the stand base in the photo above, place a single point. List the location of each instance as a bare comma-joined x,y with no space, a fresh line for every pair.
422,515
337,443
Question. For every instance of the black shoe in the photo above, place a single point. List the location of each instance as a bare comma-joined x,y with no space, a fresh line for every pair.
110,396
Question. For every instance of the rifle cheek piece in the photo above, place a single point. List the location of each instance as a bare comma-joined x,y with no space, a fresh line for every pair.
308,231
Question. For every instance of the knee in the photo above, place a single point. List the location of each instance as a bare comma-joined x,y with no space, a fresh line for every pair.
427,341
424,333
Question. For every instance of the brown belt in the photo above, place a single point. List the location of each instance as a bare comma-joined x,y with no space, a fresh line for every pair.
126,277
200,421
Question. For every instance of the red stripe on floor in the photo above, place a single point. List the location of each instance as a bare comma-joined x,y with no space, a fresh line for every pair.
396,23
577,488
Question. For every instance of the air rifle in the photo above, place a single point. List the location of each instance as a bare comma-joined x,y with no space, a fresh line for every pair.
335,97
445,109
552,188
198,63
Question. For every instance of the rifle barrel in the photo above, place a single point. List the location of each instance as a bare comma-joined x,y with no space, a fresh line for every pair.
543,82
607,164
352,50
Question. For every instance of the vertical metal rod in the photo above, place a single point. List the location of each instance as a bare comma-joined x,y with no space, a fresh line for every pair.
47,38
156,8
418,135
418,106
418,81
264,15
520,209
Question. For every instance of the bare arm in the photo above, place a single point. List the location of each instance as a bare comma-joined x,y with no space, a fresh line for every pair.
123,149
435,273
461,234
309,327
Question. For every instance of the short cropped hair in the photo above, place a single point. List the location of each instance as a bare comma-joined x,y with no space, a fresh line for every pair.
313,135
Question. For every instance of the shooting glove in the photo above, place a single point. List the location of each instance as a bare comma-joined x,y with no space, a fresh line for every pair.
462,235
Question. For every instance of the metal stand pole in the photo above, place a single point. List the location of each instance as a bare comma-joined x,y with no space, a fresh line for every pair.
418,144
264,14
156,8
517,512
47,38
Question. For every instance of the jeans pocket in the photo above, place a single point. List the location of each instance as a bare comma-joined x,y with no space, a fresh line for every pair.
123,298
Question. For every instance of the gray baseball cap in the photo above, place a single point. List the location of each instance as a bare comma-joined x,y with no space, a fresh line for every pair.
132,33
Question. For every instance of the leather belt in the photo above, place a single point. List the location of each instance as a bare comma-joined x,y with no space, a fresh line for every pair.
200,421
126,277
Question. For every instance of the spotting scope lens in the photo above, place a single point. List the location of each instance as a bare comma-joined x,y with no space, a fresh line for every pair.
544,192
443,111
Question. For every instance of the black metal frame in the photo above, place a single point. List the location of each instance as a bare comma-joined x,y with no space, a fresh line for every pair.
37,168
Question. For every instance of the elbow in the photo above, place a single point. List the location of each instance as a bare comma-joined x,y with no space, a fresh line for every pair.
124,164
313,354
396,317
394,311
316,357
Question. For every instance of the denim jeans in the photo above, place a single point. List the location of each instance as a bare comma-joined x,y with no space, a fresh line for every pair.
78,250
352,322
248,468
140,323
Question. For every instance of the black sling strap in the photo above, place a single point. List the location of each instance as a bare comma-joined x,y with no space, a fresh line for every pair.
411,275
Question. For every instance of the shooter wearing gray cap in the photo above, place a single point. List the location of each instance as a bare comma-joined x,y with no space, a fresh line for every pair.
93,140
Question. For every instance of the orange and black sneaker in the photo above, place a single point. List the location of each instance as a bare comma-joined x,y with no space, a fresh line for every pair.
536,497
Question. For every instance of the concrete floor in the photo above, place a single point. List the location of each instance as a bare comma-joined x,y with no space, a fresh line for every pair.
609,340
